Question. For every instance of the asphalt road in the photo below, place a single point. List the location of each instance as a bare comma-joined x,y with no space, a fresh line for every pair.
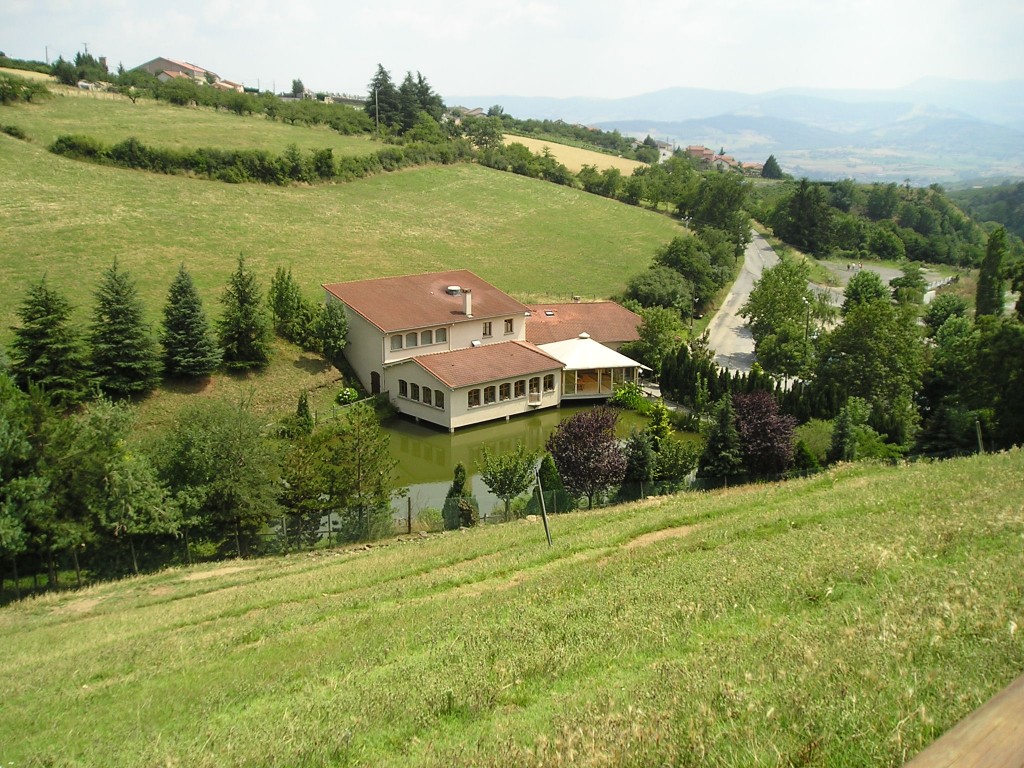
728,336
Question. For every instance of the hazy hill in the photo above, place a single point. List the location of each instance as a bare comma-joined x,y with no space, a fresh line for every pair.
932,130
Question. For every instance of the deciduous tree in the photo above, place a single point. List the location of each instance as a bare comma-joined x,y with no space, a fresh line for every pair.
766,434
508,475
587,454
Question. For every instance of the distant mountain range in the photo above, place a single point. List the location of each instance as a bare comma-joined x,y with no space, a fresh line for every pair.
935,130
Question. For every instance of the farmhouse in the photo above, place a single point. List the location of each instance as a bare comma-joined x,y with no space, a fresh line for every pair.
171,69
450,349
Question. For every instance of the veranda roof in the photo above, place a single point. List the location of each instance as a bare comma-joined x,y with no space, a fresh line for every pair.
583,353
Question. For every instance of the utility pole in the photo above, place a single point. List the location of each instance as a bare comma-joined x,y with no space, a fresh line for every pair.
376,111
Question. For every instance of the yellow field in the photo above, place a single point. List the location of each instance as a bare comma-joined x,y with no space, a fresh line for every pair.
575,158
28,75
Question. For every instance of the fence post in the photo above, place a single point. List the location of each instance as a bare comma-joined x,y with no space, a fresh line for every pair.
408,515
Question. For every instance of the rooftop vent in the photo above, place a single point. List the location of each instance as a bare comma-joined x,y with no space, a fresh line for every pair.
453,290
549,313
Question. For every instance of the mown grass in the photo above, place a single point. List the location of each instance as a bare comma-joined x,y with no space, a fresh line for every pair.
111,118
69,220
847,619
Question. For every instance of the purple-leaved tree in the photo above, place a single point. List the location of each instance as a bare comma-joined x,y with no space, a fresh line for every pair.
766,434
587,454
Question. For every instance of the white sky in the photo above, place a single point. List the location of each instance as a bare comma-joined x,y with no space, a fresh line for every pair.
558,48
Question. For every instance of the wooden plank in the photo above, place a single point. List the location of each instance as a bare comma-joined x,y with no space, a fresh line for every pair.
990,737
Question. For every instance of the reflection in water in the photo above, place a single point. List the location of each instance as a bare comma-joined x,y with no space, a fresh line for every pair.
427,456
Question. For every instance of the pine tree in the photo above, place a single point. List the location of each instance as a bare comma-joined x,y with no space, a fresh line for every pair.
125,357
47,349
771,169
244,330
723,455
989,298
189,347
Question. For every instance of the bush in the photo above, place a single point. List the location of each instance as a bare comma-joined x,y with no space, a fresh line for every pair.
346,396
15,131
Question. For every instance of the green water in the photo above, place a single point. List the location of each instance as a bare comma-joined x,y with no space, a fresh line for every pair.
427,456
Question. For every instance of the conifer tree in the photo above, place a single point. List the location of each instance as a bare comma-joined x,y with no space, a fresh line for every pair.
47,349
723,454
189,347
989,297
125,357
244,330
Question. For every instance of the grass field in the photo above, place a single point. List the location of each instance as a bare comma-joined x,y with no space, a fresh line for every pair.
847,619
69,220
112,118
574,158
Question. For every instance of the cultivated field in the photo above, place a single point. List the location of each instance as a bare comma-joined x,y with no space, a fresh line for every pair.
575,158
847,619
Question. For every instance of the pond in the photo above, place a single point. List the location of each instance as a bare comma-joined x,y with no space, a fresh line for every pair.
427,456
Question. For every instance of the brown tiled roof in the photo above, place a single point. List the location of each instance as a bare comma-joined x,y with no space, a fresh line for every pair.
605,321
417,301
491,362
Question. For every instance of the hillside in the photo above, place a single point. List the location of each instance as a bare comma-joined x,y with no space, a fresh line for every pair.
69,220
849,618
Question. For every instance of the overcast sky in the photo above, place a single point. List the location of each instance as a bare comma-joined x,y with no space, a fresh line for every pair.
556,48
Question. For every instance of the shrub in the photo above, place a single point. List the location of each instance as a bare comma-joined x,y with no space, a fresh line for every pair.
346,395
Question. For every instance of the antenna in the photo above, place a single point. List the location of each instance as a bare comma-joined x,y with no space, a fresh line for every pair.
86,48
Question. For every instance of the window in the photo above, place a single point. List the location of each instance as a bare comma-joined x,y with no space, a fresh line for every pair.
474,398
427,337
487,328
396,343
535,384
521,388
411,339
426,395
549,383
403,388
414,391
439,399
509,326
505,392
488,395
441,336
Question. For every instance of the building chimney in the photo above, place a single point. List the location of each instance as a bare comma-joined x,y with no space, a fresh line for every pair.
468,301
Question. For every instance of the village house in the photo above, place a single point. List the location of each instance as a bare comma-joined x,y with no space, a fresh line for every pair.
450,349
164,69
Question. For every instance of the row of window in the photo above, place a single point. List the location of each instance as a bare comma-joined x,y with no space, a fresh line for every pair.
510,390
425,395
440,336
421,339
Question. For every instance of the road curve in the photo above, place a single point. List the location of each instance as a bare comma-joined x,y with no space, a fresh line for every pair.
728,335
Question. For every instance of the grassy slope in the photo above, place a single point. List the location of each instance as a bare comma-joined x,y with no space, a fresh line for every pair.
847,619
70,219
112,118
